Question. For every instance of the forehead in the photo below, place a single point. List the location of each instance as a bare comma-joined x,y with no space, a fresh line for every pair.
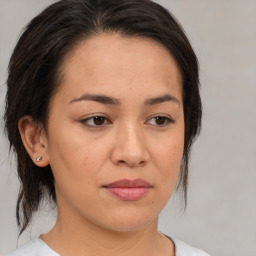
114,63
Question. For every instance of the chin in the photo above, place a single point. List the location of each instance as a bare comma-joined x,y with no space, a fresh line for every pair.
130,223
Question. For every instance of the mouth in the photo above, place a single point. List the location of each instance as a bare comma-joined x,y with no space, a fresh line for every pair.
129,190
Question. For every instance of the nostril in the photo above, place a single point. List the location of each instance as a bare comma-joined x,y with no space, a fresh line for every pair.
142,163
132,163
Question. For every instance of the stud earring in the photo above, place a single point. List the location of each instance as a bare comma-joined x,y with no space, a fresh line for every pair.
38,159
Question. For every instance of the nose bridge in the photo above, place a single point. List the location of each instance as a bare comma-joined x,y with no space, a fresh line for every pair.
131,136
130,147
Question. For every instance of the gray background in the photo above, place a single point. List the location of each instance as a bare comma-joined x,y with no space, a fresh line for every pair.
221,213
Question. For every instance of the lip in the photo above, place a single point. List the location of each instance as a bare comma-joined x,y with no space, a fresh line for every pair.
129,190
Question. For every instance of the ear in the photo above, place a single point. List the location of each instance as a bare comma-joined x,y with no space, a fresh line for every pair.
34,140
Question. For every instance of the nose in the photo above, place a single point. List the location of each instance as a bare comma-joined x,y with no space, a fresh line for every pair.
130,147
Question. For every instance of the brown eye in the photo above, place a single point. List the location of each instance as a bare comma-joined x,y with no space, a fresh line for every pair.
95,121
160,121
99,120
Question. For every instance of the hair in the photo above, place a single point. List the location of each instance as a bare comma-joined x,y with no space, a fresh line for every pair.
34,75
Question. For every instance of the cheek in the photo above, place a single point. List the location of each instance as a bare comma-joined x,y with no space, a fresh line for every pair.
169,163
75,167
168,155
77,161
73,150
169,152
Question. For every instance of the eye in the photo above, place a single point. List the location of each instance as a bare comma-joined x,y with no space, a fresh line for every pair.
160,121
95,121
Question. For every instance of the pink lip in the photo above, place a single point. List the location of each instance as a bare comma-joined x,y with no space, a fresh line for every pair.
129,190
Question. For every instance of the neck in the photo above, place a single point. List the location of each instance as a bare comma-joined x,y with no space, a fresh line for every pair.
73,237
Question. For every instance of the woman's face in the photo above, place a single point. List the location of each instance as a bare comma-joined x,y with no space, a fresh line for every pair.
116,132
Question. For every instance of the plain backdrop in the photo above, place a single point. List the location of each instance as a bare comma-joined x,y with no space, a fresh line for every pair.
221,213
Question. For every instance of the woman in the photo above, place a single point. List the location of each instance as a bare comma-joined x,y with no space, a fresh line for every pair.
102,108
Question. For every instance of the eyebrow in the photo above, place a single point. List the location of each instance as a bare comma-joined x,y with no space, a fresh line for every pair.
161,99
98,98
113,101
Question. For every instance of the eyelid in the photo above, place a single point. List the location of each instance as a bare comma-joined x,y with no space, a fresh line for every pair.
84,121
168,119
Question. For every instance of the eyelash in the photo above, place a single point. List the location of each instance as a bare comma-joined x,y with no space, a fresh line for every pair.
167,120
86,121
92,118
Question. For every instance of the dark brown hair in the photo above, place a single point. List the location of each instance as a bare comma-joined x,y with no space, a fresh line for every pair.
34,75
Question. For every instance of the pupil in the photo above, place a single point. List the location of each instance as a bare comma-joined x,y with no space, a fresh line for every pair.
99,120
160,120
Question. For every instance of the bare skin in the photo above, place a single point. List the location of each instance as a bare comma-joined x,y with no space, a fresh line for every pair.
134,130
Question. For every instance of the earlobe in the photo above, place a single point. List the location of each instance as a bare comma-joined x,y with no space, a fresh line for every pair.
34,140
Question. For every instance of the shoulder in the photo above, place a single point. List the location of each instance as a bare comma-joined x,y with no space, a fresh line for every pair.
35,247
183,249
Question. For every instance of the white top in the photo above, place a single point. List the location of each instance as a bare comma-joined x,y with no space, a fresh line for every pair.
38,247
